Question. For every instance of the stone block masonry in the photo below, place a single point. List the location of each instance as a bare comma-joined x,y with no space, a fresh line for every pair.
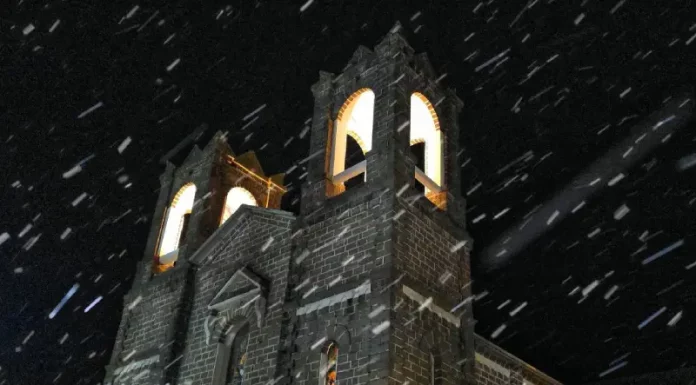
247,244
495,366
372,272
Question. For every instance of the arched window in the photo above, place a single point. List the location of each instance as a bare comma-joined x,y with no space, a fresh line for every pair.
435,369
328,364
232,356
354,123
176,225
238,357
236,197
426,137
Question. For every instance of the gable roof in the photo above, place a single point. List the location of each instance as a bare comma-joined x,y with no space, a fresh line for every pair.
241,285
233,225
250,161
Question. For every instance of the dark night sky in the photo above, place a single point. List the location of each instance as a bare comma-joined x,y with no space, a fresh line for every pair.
612,66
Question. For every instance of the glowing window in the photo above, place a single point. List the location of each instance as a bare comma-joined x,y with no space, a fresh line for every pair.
329,360
355,121
427,145
178,217
236,197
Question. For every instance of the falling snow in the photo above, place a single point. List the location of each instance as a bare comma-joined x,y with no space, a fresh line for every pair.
577,167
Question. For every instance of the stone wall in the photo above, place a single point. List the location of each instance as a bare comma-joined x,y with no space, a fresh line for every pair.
259,239
495,366
339,279
342,319
153,313
425,346
427,253
375,271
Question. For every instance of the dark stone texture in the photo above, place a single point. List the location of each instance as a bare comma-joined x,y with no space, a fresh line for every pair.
316,268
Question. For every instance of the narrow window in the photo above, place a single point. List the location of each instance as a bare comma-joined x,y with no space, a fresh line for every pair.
235,198
184,227
329,360
238,358
435,369
425,132
350,139
175,226
354,155
432,369
418,150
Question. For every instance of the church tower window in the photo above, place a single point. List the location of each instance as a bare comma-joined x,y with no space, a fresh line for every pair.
236,197
176,226
329,360
350,139
427,145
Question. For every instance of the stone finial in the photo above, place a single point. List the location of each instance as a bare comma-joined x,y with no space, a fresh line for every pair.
393,43
361,53
323,85
396,28
166,176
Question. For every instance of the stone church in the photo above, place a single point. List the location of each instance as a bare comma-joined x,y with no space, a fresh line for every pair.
369,284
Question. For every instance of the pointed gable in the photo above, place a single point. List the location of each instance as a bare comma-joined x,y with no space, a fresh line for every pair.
240,233
359,55
422,64
278,179
193,156
393,43
251,162
218,143
242,287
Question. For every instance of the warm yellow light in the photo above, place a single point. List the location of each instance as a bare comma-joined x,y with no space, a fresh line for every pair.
236,197
271,184
182,204
425,127
355,119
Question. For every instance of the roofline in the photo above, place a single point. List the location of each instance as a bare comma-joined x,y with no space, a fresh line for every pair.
252,173
510,355
229,226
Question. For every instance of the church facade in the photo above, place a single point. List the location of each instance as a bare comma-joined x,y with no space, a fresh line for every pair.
370,283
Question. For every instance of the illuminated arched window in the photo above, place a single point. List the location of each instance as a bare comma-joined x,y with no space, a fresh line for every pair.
236,197
427,145
351,139
176,225
328,364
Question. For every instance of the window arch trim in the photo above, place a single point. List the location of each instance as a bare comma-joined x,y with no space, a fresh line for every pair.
336,170
328,365
426,129
436,374
226,349
430,107
174,226
433,139
249,197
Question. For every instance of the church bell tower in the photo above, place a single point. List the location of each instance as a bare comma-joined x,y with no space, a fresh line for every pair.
370,284
195,199
383,224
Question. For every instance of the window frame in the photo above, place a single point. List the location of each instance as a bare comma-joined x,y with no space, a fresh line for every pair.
336,170
324,363
168,236
227,196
